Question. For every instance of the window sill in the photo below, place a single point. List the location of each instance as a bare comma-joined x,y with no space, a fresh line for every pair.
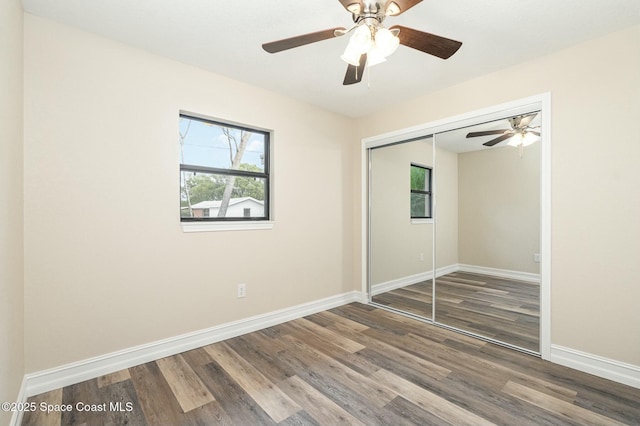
420,221
225,226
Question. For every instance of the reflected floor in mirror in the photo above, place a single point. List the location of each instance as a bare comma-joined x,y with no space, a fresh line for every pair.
502,309
413,299
499,308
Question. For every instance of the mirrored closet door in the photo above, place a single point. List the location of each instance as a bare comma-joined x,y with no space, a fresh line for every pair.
477,190
488,209
401,226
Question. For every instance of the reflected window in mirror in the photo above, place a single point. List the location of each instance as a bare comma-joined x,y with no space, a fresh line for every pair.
421,193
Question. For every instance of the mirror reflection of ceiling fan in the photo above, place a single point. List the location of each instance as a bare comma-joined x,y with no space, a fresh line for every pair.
371,43
520,133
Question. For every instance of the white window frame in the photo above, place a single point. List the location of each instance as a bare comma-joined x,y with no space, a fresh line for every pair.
240,224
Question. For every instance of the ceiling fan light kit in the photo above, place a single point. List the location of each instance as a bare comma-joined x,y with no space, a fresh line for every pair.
376,42
523,138
372,39
520,134
370,42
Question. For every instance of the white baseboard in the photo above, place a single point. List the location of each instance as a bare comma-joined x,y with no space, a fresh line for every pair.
617,371
65,375
447,270
456,267
502,273
400,282
411,279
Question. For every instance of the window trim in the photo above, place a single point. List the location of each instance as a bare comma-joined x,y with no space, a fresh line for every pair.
209,226
231,223
429,193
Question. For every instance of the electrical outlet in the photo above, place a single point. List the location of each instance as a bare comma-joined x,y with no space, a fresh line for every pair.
242,290
536,257
422,256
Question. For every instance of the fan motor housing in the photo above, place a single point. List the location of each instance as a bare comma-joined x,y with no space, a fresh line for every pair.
372,9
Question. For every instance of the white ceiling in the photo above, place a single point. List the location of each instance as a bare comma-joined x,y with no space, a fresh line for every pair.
225,37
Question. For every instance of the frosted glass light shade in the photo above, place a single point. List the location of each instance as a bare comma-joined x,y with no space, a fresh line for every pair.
351,56
386,42
375,57
361,39
522,139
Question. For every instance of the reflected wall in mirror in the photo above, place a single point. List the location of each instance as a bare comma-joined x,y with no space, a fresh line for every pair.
401,246
493,289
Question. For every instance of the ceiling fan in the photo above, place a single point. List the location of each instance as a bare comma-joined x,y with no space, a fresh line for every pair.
370,41
519,127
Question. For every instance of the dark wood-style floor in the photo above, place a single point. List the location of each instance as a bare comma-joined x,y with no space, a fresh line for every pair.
352,365
498,308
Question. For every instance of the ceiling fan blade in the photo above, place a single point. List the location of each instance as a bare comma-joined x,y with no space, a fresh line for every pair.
301,40
402,5
428,43
535,133
487,133
499,139
354,74
353,6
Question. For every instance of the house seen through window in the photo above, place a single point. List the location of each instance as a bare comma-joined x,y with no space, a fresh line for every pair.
421,195
224,171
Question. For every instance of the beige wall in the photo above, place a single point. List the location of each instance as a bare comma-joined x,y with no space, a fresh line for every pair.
11,237
107,266
446,198
499,208
595,244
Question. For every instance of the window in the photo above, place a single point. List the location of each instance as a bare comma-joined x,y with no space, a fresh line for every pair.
224,171
420,192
